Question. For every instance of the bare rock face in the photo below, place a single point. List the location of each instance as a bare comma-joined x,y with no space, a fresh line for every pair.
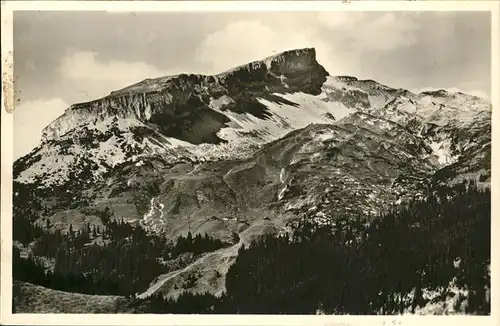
179,106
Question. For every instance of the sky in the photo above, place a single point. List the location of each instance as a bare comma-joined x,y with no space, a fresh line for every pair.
62,58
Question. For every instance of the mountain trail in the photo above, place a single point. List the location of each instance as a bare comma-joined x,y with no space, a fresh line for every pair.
213,259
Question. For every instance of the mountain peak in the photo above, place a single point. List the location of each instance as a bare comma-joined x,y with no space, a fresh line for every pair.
281,56
346,78
282,64
438,92
180,104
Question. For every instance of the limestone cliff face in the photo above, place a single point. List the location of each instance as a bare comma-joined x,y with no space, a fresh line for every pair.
179,106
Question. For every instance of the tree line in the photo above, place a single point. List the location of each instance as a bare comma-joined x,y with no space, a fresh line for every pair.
344,267
117,259
349,268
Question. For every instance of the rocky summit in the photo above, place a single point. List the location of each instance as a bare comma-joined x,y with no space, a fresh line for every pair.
245,153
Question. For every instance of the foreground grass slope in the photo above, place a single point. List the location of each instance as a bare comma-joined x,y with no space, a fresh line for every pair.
30,298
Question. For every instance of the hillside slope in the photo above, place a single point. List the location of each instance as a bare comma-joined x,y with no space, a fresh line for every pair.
30,298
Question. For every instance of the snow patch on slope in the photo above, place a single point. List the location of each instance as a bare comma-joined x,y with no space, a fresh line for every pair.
377,94
455,300
245,132
442,150
311,108
67,153
50,167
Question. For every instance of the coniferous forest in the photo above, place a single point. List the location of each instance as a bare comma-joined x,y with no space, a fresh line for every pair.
347,267
124,263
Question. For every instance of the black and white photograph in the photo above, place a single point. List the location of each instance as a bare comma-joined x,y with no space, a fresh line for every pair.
251,162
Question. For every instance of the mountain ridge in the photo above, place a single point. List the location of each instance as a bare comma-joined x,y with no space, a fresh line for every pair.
142,100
